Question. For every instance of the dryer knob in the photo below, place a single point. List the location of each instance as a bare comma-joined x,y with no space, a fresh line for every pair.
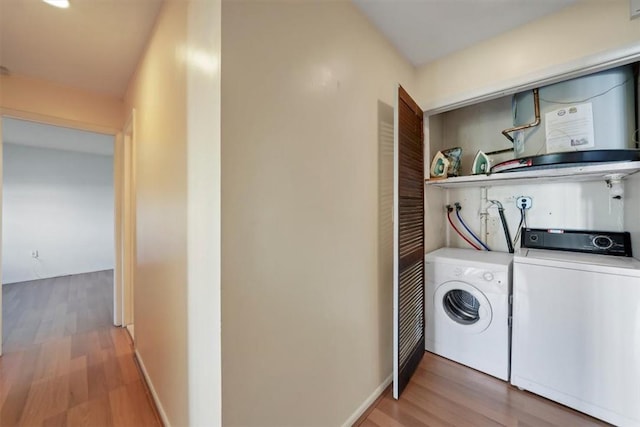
487,276
602,242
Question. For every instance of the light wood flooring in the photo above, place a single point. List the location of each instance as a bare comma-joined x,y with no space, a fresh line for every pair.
63,362
444,393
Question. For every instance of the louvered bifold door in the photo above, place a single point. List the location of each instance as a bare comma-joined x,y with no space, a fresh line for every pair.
408,239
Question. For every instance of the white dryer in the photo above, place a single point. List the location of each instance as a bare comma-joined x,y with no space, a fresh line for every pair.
467,309
576,331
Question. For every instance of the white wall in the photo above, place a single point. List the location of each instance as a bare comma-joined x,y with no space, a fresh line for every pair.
204,212
176,94
307,304
632,207
578,205
59,203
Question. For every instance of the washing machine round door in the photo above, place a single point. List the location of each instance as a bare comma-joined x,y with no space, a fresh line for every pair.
464,305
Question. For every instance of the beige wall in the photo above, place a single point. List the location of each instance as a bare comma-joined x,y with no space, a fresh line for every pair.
176,95
590,27
43,101
306,312
158,92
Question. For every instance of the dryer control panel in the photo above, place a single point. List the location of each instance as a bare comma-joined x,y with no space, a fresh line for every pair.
596,242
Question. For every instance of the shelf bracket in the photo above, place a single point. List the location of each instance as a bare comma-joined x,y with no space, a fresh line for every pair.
614,184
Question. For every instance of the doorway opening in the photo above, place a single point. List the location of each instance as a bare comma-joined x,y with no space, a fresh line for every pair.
58,244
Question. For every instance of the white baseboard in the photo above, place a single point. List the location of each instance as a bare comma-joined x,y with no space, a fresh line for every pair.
163,415
130,329
368,402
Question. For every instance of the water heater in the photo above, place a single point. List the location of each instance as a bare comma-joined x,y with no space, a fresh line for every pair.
594,112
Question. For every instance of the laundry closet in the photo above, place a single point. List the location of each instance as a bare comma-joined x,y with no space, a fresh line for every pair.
578,213
562,197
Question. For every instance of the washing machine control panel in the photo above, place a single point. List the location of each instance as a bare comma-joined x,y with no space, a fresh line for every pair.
492,280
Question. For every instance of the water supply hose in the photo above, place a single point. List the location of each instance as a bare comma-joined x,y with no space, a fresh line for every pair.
449,209
458,208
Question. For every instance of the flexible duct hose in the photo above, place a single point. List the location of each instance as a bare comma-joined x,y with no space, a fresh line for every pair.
505,227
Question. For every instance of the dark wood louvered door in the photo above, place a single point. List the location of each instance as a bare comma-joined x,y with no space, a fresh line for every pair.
408,241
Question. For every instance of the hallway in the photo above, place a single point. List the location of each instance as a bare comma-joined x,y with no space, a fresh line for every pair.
64,363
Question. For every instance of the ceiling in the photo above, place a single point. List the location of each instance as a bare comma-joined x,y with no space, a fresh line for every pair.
424,30
96,44
93,45
33,134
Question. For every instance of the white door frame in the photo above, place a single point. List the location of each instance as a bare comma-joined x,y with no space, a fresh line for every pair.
124,292
117,231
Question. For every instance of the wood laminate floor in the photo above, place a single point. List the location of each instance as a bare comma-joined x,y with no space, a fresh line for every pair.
444,393
63,362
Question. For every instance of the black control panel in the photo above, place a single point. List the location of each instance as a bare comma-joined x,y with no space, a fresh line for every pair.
596,242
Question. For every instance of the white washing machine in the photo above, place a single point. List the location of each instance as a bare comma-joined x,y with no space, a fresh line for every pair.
467,310
576,331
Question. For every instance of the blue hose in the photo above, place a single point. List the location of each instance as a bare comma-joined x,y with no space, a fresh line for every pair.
469,230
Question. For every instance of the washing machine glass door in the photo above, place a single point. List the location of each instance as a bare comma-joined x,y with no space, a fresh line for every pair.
464,305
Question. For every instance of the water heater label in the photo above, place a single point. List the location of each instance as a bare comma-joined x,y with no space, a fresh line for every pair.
570,128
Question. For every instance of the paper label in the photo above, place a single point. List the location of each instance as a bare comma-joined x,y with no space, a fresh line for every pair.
570,128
